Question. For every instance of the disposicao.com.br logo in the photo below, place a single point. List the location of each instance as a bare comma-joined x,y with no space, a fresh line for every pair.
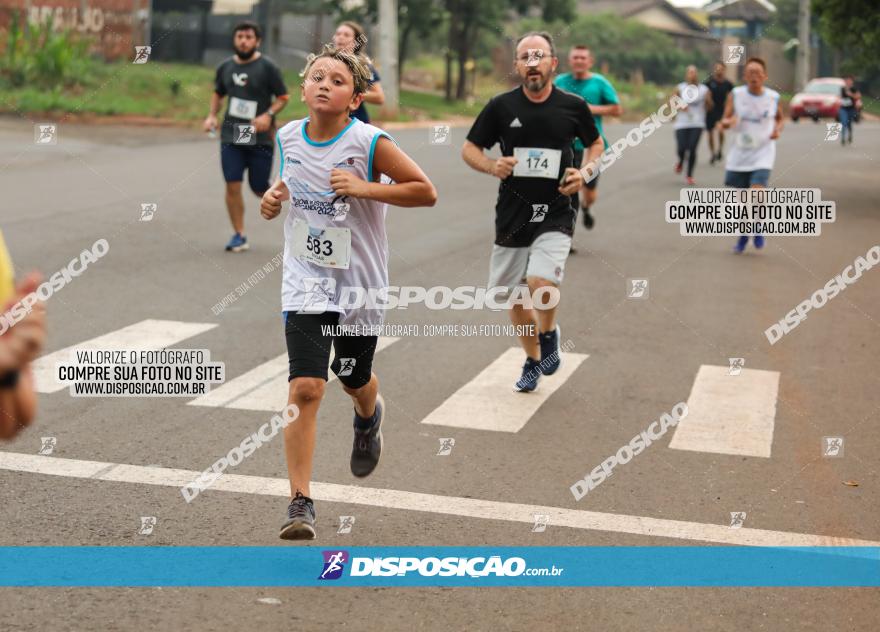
480,566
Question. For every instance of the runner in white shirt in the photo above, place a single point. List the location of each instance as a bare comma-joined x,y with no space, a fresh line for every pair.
754,112
691,119
332,169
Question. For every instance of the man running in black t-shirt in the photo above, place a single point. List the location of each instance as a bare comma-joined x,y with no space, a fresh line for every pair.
719,87
535,125
247,137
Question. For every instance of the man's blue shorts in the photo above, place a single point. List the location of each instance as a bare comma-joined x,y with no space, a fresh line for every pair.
257,159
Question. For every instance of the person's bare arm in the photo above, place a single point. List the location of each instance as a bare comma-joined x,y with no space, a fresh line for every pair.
270,204
211,120
683,107
411,187
375,94
10,419
780,122
476,159
18,405
729,118
19,346
588,167
709,102
609,109
263,122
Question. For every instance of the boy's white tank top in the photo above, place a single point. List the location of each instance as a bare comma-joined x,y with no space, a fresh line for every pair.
306,286
756,117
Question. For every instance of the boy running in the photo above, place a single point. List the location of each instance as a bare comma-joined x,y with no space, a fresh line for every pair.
334,239
755,113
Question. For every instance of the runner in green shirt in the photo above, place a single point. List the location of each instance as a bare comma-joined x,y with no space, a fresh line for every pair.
599,94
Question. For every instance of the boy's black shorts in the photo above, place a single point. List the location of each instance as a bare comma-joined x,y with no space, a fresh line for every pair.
308,349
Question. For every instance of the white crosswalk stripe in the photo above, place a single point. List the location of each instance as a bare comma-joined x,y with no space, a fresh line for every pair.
488,401
729,414
263,387
146,335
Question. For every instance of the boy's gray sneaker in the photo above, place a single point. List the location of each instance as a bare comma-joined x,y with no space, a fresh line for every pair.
367,446
300,523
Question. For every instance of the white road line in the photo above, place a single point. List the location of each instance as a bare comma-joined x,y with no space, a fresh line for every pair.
729,414
226,394
263,387
429,503
145,335
488,402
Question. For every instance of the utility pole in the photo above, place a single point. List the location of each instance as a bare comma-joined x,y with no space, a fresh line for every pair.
802,61
388,56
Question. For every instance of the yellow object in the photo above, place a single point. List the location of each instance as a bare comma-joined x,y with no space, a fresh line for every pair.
7,278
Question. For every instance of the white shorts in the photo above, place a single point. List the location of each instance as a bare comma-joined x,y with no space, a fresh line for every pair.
545,259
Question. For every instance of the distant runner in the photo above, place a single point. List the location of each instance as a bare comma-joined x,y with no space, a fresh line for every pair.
602,100
850,99
754,112
690,120
534,218
247,136
351,36
720,87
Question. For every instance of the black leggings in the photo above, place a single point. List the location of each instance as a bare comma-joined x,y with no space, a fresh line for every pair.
688,139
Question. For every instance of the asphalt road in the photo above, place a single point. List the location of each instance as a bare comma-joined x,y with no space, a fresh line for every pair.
705,306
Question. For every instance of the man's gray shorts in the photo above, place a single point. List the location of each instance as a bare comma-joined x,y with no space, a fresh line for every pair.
545,259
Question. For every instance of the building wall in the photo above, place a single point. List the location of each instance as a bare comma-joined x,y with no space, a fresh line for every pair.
780,71
114,26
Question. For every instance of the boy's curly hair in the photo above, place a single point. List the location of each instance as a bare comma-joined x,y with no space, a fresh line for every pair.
356,64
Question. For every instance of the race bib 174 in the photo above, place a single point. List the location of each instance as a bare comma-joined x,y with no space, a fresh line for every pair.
536,162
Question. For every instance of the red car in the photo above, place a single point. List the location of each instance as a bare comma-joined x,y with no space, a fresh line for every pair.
820,99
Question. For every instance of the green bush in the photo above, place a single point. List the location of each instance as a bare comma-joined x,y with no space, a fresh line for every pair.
39,56
626,45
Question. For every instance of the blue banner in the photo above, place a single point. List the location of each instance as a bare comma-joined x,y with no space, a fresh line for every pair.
439,566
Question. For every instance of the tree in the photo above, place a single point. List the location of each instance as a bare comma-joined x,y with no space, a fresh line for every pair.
629,47
854,27
467,18
415,18
784,24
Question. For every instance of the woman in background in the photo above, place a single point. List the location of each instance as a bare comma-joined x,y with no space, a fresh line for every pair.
350,36
690,120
